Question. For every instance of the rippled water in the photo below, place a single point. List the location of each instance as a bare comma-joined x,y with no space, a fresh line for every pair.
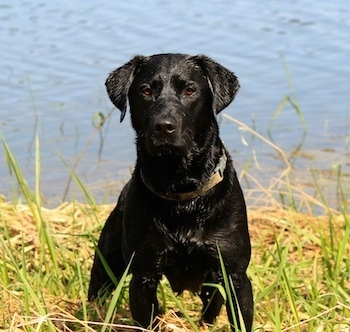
55,57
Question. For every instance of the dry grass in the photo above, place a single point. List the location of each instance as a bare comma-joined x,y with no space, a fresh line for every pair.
73,227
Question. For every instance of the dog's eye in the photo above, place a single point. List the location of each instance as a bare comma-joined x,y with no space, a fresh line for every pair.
147,91
189,91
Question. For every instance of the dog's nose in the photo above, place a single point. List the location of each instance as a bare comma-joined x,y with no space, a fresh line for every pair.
164,127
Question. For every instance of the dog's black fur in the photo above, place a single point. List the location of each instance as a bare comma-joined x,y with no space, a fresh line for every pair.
174,100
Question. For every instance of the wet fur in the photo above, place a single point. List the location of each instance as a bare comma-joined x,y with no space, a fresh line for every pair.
177,239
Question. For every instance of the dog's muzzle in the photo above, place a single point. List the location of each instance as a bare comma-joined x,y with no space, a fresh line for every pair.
165,137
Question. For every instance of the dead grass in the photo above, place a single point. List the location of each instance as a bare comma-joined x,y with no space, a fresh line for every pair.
73,226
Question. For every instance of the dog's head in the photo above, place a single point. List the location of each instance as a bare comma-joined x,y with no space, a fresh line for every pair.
173,99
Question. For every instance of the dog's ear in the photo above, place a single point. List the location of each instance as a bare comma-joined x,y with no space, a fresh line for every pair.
222,82
119,82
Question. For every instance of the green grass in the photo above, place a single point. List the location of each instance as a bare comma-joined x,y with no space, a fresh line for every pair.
300,267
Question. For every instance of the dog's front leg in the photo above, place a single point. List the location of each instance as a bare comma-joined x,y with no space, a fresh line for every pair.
143,299
211,298
243,290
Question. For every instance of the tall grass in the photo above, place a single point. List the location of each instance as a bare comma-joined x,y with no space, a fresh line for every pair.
300,268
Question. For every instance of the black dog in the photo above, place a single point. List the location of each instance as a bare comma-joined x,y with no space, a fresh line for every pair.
183,201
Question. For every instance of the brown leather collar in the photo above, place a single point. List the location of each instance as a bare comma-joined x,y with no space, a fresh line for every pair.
216,177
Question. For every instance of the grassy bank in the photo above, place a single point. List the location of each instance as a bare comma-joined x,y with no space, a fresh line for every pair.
300,267
300,272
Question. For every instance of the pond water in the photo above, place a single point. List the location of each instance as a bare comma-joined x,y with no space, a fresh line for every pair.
55,57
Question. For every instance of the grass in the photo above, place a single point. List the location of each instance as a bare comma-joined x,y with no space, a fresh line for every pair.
300,267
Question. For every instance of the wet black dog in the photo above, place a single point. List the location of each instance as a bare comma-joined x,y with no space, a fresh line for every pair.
183,201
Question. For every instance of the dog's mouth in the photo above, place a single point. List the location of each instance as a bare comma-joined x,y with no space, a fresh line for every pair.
159,149
177,144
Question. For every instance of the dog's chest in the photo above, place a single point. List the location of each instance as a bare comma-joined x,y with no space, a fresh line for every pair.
186,265
187,258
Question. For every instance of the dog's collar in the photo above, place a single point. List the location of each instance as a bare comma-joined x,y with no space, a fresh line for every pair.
216,177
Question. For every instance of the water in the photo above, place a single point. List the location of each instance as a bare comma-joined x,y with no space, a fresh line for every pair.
55,57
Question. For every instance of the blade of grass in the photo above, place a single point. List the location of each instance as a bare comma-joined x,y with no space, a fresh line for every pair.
33,204
14,166
283,253
277,316
98,127
181,307
340,256
30,293
294,101
116,297
106,266
275,115
230,289
37,171
77,180
83,297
